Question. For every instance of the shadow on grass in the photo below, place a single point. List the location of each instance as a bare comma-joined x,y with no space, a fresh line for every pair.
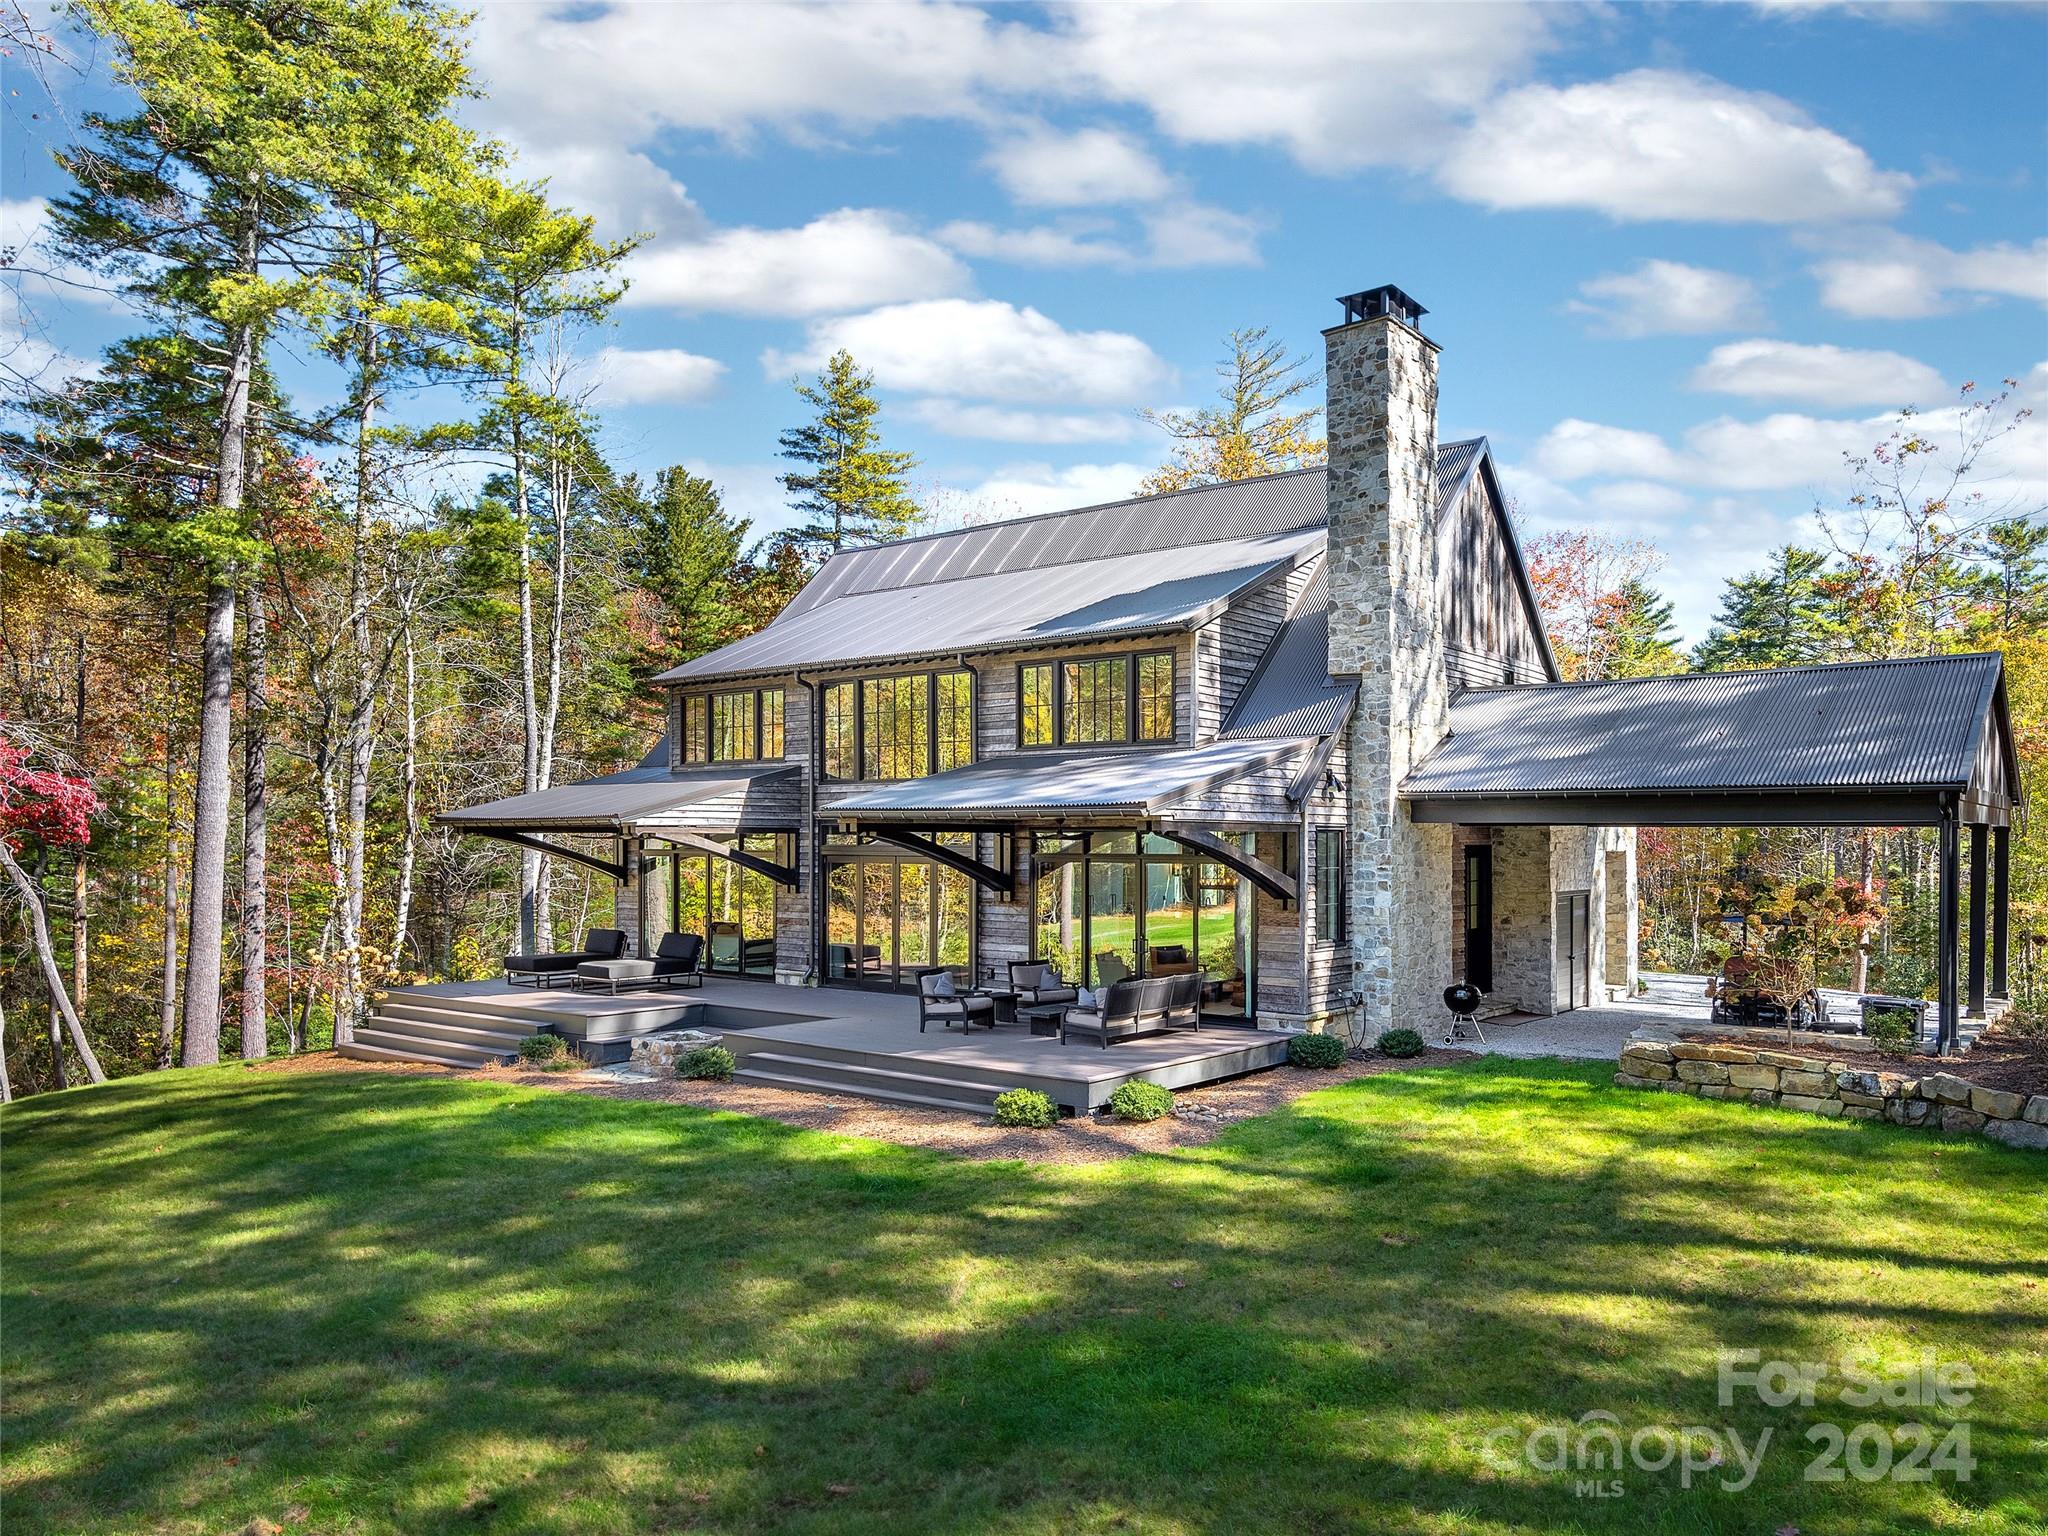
411,1304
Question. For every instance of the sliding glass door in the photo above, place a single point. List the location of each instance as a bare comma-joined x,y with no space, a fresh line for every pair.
887,917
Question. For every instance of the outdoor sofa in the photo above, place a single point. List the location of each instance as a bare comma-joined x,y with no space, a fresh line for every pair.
1142,1005
674,963
545,970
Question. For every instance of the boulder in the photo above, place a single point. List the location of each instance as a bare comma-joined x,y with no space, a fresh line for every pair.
1954,1119
1861,1100
1997,1103
1862,1112
1691,1070
1908,1111
1812,1085
1687,1050
2037,1109
1722,1091
1753,1077
1788,1061
1807,1104
1860,1082
1648,1050
1630,1080
2018,1133
1946,1088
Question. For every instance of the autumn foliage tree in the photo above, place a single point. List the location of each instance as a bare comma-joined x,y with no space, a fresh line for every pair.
1255,428
1603,617
43,810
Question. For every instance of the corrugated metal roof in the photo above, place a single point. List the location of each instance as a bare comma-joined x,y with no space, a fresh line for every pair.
1292,693
1855,725
1139,782
608,802
1151,563
1151,592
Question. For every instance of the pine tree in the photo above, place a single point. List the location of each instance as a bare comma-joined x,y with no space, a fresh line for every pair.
1251,433
1642,642
853,491
1777,617
685,552
2016,581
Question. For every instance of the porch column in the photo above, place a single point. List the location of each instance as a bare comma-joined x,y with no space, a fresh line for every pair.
2001,882
1945,951
1979,900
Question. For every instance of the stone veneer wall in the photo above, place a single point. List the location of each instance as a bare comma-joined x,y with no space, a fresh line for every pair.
1386,630
1939,1101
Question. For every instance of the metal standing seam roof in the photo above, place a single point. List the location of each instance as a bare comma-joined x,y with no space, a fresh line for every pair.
1146,593
1292,692
609,803
1139,782
1866,725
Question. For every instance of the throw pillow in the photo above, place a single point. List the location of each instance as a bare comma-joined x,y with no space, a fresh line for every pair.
943,985
1084,999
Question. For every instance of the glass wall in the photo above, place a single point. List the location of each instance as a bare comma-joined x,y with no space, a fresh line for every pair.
730,908
1105,906
889,915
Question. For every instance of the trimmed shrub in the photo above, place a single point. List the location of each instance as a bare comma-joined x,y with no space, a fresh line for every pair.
707,1061
1323,1051
1401,1042
1026,1107
542,1050
1141,1101
1893,1033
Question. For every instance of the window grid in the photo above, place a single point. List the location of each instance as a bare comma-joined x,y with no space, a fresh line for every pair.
1035,718
841,760
732,726
1155,696
1333,918
955,734
696,736
1097,701
772,706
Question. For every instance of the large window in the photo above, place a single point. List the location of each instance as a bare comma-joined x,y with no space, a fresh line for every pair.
1333,912
1102,701
741,726
899,727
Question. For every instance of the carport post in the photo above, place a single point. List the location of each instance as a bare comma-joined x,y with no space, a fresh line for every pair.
1980,842
2001,882
1945,952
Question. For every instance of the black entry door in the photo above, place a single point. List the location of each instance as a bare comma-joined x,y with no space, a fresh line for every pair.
1479,917
1574,922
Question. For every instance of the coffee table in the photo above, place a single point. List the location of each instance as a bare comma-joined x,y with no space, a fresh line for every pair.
1044,1018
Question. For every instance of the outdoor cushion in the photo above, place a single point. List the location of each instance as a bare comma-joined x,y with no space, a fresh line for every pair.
615,970
942,985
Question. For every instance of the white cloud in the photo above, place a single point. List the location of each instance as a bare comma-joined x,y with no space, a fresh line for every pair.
1821,375
1578,450
1049,169
851,259
1668,298
1336,86
1659,144
1181,234
1896,277
983,349
40,273
750,491
664,374
624,191
1637,498
1018,490
957,418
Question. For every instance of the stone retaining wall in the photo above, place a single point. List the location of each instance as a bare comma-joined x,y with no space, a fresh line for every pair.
1938,1101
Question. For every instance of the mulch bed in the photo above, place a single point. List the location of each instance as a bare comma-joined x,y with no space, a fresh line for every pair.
1200,1114
1995,1061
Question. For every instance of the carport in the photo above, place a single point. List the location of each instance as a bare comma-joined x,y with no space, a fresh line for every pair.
1925,742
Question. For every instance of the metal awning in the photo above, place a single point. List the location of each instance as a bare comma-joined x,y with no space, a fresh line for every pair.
1879,743
1081,783
610,804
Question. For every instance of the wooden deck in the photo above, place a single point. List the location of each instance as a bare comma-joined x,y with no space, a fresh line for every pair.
844,1041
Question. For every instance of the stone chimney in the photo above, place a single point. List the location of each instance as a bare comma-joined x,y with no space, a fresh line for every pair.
1386,630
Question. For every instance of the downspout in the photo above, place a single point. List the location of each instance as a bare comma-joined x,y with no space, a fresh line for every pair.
814,865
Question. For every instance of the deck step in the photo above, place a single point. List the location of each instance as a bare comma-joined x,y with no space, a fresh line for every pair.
356,1050
931,1076
512,1024
855,1090
447,1052
499,1042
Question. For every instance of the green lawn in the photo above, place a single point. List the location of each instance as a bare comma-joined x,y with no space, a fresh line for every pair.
371,1303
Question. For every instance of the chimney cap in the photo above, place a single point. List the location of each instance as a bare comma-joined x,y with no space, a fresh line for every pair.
1385,300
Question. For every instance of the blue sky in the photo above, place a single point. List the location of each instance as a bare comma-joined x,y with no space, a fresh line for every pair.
1678,257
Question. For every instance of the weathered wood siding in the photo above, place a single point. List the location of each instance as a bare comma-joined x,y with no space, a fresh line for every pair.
1228,649
1488,637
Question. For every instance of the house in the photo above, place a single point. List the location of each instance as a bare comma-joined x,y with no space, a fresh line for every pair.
1303,732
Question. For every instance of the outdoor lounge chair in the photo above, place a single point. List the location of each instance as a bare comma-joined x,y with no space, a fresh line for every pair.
1037,984
1136,1006
1170,960
560,965
673,964
938,998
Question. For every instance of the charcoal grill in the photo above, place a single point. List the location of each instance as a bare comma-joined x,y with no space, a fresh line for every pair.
1463,1000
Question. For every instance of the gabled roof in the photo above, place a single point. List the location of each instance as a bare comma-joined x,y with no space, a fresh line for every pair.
1147,565
1917,725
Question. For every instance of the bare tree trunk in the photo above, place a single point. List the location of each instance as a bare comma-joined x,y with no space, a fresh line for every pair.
81,920
530,874
59,1071
167,1007
360,737
256,832
46,955
6,1082
409,778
